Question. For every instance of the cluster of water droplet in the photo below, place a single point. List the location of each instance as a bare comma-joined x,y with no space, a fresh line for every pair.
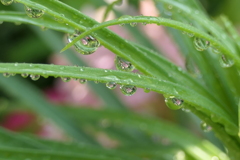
85,46
33,12
7,2
173,103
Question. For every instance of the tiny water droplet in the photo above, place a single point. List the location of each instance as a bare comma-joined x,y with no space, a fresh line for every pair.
85,46
81,69
6,75
133,24
215,50
201,44
35,77
186,110
122,24
24,75
144,23
7,2
122,64
82,81
128,90
190,34
65,79
226,62
96,82
33,12
205,127
111,85
173,103
13,74
147,90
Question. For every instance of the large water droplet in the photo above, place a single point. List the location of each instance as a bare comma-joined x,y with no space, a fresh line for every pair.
7,2
111,85
6,75
201,44
24,75
35,77
85,46
65,79
33,12
128,90
226,62
205,127
125,17
173,103
82,81
122,64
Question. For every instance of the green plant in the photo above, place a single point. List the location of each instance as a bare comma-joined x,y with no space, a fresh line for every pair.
212,94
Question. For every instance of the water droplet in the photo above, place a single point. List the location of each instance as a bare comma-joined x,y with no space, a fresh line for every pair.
205,127
144,23
147,90
35,77
85,46
226,62
82,81
24,75
96,82
173,103
215,50
111,85
6,75
33,12
65,79
122,24
128,90
125,17
201,44
7,2
190,34
133,24
122,64
186,110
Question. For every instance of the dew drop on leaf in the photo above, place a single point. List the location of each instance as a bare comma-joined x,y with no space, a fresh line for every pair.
226,62
215,50
147,90
82,81
7,2
133,24
128,90
24,75
65,79
33,12
125,17
122,64
122,24
201,44
205,127
173,103
35,77
85,46
96,82
111,85
6,75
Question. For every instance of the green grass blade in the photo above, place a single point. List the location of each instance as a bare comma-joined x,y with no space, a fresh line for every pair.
120,77
151,126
